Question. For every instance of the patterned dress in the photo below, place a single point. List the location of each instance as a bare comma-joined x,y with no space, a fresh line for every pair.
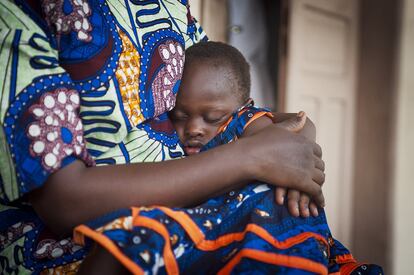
92,80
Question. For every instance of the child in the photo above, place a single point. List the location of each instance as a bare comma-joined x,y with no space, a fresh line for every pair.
214,102
225,87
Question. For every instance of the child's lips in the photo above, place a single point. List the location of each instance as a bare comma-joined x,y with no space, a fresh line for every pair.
193,147
192,150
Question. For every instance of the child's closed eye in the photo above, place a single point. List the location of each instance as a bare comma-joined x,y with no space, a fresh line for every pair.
214,119
178,116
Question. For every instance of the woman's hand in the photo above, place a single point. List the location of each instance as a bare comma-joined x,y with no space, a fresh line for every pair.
286,159
298,203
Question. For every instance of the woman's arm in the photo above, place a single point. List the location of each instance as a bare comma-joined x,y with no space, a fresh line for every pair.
273,155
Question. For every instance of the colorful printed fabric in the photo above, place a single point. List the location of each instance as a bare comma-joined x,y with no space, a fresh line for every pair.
242,231
234,127
87,80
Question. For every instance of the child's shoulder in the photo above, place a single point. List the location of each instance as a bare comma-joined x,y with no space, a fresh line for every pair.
252,119
240,122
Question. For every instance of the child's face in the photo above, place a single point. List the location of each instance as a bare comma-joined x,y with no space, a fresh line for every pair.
205,101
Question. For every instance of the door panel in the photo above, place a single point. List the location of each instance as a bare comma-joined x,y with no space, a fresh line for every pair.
321,81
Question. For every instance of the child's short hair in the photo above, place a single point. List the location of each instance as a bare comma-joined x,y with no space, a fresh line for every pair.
221,54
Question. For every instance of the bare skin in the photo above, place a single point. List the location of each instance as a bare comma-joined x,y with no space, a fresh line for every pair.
299,203
273,155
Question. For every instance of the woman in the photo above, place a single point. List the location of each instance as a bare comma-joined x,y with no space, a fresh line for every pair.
85,86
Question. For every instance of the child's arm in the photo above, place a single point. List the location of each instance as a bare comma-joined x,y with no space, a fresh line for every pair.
297,123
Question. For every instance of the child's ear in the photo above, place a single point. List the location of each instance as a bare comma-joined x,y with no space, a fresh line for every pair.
248,102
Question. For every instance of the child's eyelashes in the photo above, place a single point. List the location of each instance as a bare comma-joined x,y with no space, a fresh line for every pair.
214,119
178,116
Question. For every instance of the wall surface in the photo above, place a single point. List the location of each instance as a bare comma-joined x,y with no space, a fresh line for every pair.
322,70
213,16
403,222
373,154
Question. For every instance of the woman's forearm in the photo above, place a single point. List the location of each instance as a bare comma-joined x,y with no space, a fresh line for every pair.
273,155
86,193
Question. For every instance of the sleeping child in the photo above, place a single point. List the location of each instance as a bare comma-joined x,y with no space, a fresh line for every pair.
236,231
213,106
215,86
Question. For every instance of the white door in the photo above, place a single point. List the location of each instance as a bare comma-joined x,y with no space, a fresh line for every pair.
321,80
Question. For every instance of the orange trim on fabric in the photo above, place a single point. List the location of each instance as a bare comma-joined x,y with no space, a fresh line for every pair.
83,230
347,269
224,126
275,259
258,115
242,111
169,258
346,258
78,237
198,236
134,211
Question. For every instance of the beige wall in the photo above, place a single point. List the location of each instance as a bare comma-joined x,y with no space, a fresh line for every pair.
212,15
403,214
373,151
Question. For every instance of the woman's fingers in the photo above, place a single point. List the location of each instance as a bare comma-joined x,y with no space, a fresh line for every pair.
317,150
305,183
319,163
318,176
314,189
280,195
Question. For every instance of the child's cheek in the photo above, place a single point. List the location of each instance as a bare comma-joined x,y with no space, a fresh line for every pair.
180,132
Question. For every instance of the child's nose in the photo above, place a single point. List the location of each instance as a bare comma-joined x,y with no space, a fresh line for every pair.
194,128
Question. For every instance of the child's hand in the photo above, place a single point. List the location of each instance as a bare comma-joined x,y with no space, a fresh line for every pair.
298,203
